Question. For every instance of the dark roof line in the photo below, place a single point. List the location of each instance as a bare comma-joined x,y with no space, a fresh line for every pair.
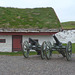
28,30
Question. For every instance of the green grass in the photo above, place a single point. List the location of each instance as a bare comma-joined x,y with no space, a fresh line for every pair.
68,25
28,18
16,53
73,47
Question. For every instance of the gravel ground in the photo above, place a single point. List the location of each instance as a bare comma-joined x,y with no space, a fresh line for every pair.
34,65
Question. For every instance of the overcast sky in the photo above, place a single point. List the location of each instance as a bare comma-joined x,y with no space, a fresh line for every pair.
65,9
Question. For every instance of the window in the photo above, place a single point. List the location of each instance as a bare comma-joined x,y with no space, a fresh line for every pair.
2,40
32,41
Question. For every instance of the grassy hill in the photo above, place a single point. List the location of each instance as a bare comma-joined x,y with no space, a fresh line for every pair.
28,18
68,25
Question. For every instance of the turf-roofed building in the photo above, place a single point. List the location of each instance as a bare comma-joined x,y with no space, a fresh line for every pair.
18,25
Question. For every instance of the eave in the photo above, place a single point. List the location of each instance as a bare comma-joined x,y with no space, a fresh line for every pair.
27,33
28,30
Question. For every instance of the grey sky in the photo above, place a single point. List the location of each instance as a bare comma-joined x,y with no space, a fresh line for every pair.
65,9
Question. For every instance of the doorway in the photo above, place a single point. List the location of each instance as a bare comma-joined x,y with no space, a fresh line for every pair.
16,42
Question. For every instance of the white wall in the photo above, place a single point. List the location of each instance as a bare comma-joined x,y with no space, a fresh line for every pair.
66,35
7,46
40,38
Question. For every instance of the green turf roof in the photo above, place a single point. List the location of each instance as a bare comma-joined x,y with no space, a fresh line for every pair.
28,18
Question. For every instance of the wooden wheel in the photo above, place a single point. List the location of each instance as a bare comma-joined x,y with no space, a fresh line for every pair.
48,50
25,49
43,49
69,51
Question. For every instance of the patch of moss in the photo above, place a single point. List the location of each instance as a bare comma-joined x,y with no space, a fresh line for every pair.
28,18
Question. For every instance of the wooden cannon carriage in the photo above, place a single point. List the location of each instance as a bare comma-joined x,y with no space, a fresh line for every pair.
31,45
46,49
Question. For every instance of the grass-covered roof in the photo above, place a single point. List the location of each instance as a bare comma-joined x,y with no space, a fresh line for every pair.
28,18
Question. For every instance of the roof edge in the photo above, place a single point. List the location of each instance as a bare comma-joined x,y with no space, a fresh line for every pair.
28,30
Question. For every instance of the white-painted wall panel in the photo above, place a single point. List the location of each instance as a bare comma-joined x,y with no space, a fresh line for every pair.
7,46
40,38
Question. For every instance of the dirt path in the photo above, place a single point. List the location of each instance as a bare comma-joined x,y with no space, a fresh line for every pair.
34,65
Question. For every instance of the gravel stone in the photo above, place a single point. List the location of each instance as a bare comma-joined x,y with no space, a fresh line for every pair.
34,65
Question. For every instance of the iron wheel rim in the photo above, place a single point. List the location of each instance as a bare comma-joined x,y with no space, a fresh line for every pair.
43,49
26,49
48,50
69,51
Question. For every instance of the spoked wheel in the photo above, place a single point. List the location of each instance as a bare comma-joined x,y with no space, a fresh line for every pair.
69,51
43,49
48,50
26,49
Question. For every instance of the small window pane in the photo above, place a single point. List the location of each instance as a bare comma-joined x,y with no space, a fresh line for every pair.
2,41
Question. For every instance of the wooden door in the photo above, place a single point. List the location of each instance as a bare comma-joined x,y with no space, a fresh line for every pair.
16,42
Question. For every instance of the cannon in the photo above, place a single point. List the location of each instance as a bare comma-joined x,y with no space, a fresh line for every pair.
48,48
31,45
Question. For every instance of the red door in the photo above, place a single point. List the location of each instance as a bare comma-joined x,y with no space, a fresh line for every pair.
17,40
